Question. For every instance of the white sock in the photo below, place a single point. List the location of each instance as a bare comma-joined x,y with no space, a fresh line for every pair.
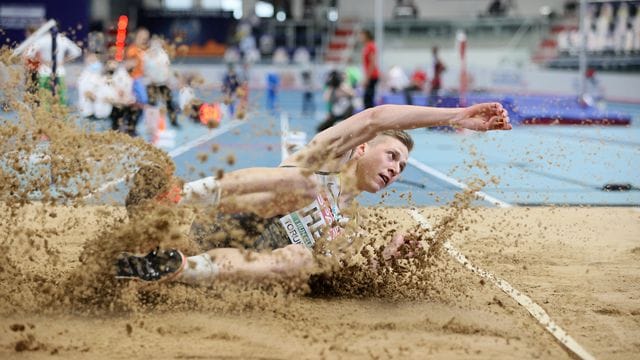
199,269
204,191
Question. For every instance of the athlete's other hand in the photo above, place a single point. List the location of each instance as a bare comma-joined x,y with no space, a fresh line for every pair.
401,247
483,117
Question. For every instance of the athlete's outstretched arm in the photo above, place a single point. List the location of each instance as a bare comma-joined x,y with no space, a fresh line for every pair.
365,125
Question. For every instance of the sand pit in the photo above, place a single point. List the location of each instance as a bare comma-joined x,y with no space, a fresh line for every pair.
580,264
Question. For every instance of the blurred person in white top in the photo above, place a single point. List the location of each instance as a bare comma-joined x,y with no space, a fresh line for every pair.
66,50
125,111
94,91
397,79
157,70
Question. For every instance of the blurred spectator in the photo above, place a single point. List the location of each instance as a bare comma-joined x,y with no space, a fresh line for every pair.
93,90
31,64
95,39
354,75
603,27
436,81
252,56
230,86
247,42
339,97
635,28
231,55
418,81
66,50
280,56
594,94
273,82
621,28
125,113
397,79
301,56
370,64
308,102
243,91
135,53
157,70
187,101
267,44
134,63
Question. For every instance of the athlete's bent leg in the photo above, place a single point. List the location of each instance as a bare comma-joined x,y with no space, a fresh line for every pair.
234,264
217,264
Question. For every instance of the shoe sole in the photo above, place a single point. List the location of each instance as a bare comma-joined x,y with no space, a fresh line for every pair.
163,279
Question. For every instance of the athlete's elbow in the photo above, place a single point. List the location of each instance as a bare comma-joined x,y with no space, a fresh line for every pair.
300,190
378,118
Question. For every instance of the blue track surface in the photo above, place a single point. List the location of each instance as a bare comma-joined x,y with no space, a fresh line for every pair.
535,164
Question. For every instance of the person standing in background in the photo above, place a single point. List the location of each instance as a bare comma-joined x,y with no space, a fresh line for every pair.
31,63
370,64
135,65
436,81
157,70
308,102
230,85
135,53
418,80
273,82
42,49
339,97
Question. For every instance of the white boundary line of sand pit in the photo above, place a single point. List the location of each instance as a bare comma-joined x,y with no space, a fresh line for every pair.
176,152
435,173
534,309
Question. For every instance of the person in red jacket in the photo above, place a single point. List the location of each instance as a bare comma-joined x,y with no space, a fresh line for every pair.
370,64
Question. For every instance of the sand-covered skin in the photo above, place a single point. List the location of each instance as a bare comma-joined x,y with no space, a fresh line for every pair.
579,264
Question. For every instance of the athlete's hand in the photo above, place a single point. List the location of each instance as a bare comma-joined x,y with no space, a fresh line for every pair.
483,117
401,247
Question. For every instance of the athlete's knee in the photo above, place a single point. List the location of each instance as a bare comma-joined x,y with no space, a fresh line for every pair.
293,257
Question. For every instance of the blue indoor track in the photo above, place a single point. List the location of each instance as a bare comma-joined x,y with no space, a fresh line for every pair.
535,165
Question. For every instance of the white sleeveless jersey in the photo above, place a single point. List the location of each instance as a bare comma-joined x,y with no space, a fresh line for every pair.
305,226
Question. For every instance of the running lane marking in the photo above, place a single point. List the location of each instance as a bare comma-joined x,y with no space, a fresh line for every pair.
284,131
177,151
534,309
435,173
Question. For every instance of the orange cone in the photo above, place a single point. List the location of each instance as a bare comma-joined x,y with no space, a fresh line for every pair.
162,124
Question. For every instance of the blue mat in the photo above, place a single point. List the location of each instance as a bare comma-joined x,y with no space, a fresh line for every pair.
526,109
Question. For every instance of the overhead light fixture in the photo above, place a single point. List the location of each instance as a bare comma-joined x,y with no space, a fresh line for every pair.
263,9
332,14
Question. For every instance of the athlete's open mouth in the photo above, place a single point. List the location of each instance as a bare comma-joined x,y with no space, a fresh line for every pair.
384,179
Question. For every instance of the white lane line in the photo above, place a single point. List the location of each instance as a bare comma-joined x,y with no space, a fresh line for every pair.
534,309
435,173
203,139
284,131
176,152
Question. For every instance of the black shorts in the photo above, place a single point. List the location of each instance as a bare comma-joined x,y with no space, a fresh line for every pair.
246,231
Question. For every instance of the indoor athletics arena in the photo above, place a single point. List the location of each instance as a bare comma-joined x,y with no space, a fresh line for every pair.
320,179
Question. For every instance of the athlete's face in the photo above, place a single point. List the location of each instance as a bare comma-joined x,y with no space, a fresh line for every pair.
380,163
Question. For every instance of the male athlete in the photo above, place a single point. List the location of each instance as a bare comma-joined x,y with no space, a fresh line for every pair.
299,202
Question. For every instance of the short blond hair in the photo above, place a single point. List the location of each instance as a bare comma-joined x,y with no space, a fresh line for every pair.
401,136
